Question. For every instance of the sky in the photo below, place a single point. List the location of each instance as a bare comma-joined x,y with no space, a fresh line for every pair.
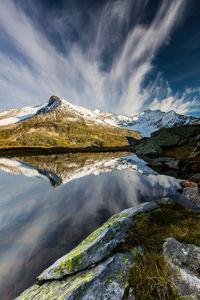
122,56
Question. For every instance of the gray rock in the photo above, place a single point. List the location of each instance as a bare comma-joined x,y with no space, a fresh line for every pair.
184,261
97,245
192,194
106,281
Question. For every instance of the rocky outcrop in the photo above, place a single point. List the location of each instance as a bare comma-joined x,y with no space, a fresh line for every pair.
184,262
92,270
96,246
100,266
107,280
173,151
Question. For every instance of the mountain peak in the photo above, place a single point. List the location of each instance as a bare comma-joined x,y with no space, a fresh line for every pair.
53,99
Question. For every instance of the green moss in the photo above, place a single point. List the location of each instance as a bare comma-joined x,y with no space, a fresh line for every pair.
134,250
126,261
82,279
74,259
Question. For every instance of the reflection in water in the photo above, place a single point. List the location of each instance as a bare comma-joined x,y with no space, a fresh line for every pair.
63,168
39,223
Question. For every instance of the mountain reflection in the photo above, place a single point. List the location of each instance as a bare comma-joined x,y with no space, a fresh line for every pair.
63,168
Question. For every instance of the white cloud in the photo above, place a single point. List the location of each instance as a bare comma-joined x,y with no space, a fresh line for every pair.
181,104
77,73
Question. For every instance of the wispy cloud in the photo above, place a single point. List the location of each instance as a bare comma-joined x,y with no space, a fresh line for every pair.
186,102
78,72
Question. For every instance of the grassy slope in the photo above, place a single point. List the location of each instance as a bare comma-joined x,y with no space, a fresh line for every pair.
56,130
150,276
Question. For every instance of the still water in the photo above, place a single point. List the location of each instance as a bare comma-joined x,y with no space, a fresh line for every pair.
48,204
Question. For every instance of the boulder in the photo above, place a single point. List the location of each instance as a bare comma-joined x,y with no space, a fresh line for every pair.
149,148
97,245
107,280
192,194
184,262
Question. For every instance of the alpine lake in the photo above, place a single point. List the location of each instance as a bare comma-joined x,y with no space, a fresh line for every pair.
49,204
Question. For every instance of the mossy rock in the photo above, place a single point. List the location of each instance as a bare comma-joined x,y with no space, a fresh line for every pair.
97,245
107,280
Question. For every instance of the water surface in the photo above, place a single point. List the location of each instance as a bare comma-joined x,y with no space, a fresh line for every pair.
48,204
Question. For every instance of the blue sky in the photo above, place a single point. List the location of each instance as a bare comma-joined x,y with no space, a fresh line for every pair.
115,55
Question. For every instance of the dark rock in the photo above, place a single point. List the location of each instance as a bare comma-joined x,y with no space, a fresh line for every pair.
149,148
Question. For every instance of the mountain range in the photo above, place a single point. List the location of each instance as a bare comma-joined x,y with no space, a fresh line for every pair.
59,123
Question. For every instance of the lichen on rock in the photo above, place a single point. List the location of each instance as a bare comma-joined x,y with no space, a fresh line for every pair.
184,262
97,245
105,281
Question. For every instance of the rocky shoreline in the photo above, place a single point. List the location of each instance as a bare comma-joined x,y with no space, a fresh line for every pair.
100,267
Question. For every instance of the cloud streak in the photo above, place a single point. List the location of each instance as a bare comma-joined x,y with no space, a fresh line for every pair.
105,67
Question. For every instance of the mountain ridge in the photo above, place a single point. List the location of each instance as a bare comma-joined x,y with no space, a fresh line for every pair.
60,124
145,122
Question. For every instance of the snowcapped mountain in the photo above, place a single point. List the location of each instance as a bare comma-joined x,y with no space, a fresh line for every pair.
145,122
62,106
151,120
12,116
60,124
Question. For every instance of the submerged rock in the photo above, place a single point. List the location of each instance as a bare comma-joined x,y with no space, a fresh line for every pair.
184,261
97,245
105,281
